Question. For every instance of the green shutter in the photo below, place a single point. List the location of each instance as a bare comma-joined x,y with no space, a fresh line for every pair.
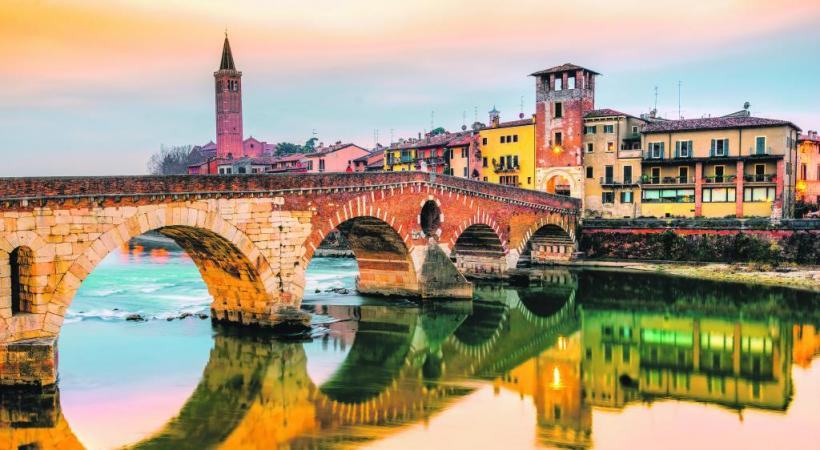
726,147
677,149
691,149
663,145
712,150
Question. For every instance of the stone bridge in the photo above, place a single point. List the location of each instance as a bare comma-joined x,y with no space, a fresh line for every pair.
252,238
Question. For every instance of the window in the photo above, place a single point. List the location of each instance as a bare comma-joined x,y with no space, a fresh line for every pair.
627,174
609,129
718,195
656,150
760,145
559,110
656,175
626,197
465,173
720,147
804,171
221,170
610,146
463,152
485,178
758,194
668,196
683,174
241,170
760,172
321,165
20,261
608,175
590,147
571,82
484,164
719,171
558,138
503,139
607,197
590,172
529,180
683,149
635,129
484,141
559,83
589,129
515,160
515,138
625,356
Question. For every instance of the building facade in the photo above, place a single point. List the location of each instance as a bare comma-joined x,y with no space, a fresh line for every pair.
612,164
334,158
508,152
737,166
808,169
465,157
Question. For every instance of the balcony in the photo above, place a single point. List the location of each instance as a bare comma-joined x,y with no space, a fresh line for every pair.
754,151
406,159
498,168
667,180
717,179
612,182
760,178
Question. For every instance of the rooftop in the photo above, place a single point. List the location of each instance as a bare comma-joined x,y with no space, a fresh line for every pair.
511,123
605,112
714,123
566,67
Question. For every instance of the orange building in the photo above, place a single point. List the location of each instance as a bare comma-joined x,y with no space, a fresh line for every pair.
808,168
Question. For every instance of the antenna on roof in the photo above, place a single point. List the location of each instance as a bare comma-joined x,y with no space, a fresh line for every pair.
475,114
432,120
656,99
522,106
679,84
464,118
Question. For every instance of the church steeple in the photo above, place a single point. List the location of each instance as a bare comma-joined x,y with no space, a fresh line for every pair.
227,56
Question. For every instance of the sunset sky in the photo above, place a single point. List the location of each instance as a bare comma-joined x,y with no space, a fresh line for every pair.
95,87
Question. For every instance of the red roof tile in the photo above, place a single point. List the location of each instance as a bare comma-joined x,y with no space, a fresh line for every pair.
714,123
605,112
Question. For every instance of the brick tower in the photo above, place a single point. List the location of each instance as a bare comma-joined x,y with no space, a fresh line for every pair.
563,94
228,106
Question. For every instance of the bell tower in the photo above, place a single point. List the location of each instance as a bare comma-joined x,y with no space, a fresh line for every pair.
228,83
563,95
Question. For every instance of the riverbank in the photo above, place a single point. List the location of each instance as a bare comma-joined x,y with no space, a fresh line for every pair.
792,276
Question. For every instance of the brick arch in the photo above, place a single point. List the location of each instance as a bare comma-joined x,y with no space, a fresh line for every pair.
552,219
239,279
556,221
480,218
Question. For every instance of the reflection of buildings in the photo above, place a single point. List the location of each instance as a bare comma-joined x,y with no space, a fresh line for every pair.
806,344
732,362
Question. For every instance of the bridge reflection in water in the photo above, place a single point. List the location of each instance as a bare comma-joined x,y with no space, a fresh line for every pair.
567,344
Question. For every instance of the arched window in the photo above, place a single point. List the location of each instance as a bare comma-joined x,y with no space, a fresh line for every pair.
20,260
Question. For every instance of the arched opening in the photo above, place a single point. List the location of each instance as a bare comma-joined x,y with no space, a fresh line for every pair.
559,185
548,244
20,262
478,250
380,262
430,218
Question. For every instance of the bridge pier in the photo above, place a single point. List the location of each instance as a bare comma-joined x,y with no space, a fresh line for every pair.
29,363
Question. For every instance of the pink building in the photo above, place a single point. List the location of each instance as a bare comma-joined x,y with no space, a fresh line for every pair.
338,157
371,162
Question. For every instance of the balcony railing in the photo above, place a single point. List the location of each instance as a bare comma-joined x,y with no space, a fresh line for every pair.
760,178
667,180
406,159
720,179
505,169
754,151
611,181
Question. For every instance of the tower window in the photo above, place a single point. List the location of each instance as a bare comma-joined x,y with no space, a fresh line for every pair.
559,83
559,110
571,82
590,172
559,138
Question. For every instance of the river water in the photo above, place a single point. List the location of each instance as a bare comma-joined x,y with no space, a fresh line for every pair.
592,359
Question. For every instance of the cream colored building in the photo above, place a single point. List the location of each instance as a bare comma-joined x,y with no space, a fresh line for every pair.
612,164
736,165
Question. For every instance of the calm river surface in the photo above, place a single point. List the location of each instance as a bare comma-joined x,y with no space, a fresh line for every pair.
592,359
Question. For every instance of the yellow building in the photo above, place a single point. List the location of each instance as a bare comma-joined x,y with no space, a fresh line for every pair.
733,165
612,164
808,169
508,152
400,157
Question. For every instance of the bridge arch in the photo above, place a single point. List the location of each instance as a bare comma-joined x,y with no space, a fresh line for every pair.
479,250
550,238
30,284
238,276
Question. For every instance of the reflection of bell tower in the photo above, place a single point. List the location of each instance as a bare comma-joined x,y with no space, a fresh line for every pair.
228,106
563,95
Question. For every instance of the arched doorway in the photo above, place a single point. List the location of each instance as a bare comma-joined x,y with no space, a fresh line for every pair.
560,185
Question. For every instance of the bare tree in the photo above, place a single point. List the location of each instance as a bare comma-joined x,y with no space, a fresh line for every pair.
172,160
